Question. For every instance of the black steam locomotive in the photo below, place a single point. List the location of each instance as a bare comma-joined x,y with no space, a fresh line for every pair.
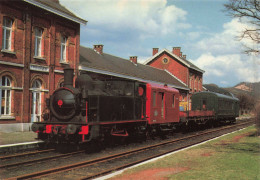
93,109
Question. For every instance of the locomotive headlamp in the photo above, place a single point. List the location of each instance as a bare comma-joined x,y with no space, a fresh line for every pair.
71,129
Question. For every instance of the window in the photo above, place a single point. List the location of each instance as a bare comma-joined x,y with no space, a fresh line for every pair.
154,98
190,82
173,100
38,42
63,49
204,104
61,84
5,94
199,84
165,60
37,84
7,33
162,99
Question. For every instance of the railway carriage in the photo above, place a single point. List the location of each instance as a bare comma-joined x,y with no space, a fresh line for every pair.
226,108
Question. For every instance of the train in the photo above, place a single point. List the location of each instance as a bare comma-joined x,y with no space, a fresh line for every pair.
94,110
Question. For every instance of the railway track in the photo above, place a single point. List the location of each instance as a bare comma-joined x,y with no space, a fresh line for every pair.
107,164
25,154
40,159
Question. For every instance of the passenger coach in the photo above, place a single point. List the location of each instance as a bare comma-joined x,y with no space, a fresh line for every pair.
226,107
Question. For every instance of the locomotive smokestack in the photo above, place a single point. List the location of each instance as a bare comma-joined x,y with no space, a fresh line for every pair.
68,77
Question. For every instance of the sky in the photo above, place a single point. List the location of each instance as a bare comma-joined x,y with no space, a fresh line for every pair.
205,33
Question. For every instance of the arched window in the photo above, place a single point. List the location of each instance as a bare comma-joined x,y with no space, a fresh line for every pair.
36,101
61,84
37,84
5,95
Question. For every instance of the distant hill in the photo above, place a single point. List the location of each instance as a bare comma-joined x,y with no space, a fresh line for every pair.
252,89
215,88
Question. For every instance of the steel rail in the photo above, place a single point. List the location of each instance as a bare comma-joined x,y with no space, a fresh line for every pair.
26,154
40,159
106,158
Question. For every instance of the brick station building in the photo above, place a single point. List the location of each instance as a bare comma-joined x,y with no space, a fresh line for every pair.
38,39
178,66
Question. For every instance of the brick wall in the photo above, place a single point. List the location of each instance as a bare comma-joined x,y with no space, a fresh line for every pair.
172,65
20,64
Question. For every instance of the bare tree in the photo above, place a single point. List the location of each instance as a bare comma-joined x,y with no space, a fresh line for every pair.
258,119
246,102
247,11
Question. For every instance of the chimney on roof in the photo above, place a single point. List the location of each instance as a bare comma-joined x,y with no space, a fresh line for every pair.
176,51
155,51
180,54
98,48
133,59
184,56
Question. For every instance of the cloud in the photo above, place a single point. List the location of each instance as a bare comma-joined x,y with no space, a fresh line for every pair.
228,69
146,18
222,58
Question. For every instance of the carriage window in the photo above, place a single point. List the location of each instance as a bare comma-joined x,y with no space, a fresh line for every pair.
204,104
154,98
173,100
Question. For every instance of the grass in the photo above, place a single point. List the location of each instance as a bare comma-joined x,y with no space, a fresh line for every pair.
235,156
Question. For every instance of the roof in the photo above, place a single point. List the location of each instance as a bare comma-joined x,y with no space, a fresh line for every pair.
108,64
219,95
56,8
180,59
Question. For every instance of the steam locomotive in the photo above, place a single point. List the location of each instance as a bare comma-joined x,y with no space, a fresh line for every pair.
94,110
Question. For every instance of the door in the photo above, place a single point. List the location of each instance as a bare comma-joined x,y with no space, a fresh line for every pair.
36,102
162,104
36,107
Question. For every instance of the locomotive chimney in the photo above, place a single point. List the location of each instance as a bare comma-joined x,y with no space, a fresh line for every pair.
68,77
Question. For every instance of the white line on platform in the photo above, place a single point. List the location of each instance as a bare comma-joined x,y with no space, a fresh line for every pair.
154,159
19,144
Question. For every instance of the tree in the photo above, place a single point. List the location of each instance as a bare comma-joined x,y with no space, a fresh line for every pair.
247,11
246,102
258,119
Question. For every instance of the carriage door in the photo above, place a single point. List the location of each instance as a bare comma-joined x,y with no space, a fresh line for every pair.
162,104
36,101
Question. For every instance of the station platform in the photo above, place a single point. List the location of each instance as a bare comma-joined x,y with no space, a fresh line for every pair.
17,141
